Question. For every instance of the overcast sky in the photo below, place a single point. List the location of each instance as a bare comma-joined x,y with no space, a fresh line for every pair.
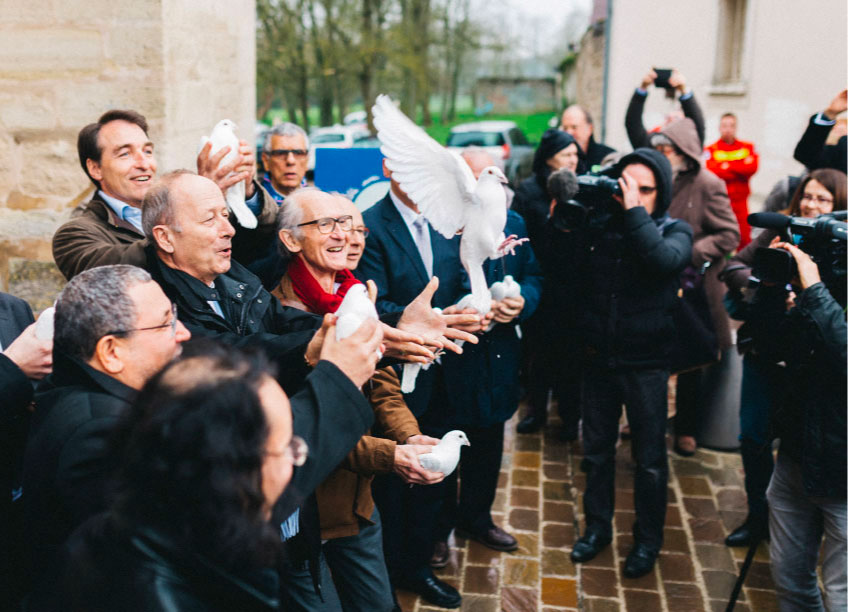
542,26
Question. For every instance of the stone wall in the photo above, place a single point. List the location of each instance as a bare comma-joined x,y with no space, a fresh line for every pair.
589,70
183,64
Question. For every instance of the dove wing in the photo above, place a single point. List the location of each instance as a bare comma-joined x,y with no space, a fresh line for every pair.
436,179
431,461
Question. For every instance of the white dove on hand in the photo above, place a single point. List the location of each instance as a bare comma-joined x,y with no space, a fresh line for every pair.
445,455
444,189
224,135
355,308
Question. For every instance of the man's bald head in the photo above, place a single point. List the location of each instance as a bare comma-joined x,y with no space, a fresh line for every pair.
477,159
577,121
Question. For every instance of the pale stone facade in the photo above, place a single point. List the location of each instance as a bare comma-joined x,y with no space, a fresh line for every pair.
183,64
793,62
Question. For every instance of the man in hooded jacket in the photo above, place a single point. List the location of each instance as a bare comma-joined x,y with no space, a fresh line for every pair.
628,256
700,198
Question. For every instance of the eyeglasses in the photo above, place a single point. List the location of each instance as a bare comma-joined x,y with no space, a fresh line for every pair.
326,225
286,152
296,451
362,231
172,324
818,200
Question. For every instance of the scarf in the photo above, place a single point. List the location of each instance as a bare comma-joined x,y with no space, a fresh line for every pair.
308,290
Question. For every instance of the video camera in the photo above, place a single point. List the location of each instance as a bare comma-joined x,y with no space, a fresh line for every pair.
823,238
578,197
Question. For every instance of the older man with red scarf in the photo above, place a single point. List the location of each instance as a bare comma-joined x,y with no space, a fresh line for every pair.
317,230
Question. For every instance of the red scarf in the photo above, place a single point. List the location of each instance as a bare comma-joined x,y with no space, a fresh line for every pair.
308,290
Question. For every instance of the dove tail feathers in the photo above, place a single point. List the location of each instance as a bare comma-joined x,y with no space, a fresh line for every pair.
408,377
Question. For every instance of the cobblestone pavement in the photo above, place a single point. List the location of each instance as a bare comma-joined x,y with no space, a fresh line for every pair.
539,500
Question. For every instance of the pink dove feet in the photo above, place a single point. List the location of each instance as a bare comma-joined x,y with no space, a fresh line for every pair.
509,244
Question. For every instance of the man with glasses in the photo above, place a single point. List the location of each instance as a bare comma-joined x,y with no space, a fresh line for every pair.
114,329
284,156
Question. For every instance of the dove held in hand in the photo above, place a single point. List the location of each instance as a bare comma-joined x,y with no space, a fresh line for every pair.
445,455
224,135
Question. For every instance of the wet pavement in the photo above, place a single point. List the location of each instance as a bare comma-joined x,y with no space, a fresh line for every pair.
539,501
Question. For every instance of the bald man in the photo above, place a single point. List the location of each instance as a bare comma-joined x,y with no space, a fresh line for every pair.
577,122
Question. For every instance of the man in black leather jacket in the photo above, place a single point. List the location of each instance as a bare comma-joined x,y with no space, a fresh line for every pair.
807,493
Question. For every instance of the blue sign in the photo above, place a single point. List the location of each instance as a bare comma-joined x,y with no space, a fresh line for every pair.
356,173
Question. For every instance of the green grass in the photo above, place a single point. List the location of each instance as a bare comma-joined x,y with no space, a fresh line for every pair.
532,125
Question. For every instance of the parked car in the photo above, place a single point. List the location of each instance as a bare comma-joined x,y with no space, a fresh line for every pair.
502,139
335,137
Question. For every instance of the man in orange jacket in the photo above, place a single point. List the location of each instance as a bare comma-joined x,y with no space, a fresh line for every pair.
734,161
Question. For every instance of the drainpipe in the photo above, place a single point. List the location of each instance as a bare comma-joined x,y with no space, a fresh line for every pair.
607,31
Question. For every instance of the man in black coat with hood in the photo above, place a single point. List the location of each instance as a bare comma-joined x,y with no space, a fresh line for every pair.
627,257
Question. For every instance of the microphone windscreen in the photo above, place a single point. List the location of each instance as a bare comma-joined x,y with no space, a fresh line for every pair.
769,220
562,185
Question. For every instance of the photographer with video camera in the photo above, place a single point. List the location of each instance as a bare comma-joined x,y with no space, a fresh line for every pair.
794,376
821,192
620,255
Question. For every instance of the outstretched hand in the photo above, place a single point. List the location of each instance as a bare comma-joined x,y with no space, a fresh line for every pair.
407,464
837,106
437,329
240,169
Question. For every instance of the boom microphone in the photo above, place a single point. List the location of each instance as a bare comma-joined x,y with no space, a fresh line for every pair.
824,225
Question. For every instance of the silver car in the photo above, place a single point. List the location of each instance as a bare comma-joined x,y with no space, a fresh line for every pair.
501,139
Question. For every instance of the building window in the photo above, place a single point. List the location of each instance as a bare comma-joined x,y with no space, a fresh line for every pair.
730,42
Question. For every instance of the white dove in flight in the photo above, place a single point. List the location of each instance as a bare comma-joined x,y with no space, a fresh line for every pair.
443,187
446,455
224,135
355,308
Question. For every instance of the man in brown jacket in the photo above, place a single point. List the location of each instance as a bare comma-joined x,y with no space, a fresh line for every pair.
118,156
700,198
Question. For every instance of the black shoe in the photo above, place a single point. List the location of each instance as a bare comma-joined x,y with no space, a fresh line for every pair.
588,546
495,538
432,590
639,562
747,533
531,424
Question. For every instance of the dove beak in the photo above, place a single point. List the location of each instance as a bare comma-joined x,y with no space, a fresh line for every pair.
466,443
503,179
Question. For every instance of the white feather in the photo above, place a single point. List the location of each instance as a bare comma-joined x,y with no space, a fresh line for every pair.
441,184
224,135
355,308
446,455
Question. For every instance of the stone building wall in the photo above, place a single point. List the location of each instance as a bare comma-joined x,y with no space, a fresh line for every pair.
183,64
589,70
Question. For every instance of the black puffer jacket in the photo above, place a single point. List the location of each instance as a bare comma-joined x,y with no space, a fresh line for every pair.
626,264
810,418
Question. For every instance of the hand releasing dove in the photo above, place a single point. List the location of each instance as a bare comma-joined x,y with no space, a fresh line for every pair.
445,455
224,135
443,187
355,308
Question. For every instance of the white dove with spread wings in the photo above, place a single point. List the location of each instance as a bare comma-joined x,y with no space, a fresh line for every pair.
224,135
443,187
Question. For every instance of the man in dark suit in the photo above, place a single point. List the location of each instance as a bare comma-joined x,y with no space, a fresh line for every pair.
402,254
23,359
812,149
114,329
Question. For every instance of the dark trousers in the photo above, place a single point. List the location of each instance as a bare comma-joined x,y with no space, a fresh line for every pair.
479,467
410,518
559,372
644,394
689,407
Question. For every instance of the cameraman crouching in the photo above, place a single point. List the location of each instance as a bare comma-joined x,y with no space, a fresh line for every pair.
807,493
625,257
